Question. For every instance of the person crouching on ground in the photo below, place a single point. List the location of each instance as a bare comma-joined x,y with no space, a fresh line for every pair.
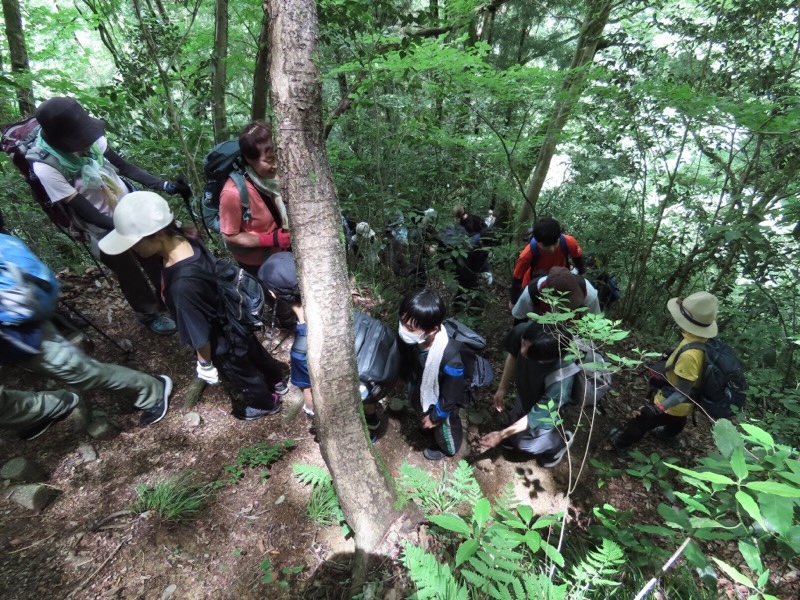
434,371
535,354
696,316
144,222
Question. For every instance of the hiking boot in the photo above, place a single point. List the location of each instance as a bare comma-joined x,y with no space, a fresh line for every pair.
548,461
157,412
671,441
160,324
621,453
433,454
252,413
34,432
281,388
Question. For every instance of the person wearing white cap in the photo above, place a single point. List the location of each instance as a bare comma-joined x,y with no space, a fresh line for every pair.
144,222
696,316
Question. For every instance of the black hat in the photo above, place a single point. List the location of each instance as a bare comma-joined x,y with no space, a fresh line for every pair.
279,276
66,125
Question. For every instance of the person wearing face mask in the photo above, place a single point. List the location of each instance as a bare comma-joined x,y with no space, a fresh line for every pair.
434,371
77,168
535,354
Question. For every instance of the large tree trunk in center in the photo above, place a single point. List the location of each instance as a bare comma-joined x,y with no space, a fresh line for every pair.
366,495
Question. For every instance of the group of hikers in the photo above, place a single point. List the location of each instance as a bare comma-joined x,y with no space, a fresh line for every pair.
174,283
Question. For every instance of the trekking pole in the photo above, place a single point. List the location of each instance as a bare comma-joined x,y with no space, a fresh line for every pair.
92,324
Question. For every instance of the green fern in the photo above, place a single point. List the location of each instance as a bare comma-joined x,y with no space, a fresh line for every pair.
311,474
597,569
431,578
323,505
438,496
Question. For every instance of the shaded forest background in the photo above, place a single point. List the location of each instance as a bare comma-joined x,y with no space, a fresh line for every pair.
663,135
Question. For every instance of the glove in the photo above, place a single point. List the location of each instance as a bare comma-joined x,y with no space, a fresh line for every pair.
179,186
280,238
650,410
207,372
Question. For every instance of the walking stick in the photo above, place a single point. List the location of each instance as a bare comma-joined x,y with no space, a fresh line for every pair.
92,324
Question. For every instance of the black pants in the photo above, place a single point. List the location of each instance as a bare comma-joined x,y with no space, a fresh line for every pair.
248,372
637,428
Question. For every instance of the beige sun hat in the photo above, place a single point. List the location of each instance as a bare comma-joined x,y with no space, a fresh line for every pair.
696,313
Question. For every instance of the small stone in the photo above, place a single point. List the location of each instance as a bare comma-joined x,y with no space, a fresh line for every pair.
33,496
168,591
192,420
80,417
23,470
280,500
87,453
101,429
485,465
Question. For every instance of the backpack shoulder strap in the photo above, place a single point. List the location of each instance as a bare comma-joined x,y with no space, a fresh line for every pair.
562,373
241,186
689,346
562,243
534,252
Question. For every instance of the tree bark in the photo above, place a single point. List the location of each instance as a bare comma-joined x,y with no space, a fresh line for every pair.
597,12
19,56
361,481
219,70
261,71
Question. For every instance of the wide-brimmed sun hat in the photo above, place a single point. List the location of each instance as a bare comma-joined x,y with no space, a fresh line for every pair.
66,125
696,314
137,215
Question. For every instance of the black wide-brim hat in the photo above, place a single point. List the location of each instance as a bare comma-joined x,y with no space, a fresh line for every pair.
66,125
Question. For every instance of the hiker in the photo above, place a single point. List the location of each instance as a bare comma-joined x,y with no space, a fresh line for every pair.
434,371
252,240
471,223
144,222
77,166
278,275
490,219
696,316
548,248
30,340
576,292
535,352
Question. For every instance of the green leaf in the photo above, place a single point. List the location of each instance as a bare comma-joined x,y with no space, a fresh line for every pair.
777,511
773,487
751,556
704,475
738,464
733,574
525,512
763,579
759,435
747,502
466,550
553,554
534,540
670,515
695,556
452,523
727,437
481,512
692,502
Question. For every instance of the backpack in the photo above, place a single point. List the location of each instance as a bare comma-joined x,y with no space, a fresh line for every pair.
562,244
722,383
608,291
477,369
222,162
18,141
28,288
592,378
377,354
240,298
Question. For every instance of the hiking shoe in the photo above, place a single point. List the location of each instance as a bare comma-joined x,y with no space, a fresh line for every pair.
34,432
309,411
157,412
281,388
252,413
433,454
549,461
671,441
161,324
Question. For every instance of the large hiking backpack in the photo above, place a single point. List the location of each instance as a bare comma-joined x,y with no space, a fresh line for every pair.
477,369
592,376
240,297
377,354
222,162
19,143
722,384
28,288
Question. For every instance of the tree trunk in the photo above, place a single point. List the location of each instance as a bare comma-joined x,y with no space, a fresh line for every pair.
19,56
219,72
261,71
361,481
592,28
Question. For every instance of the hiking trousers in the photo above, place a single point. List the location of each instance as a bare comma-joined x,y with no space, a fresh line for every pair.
62,360
21,410
449,433
138,279
640,426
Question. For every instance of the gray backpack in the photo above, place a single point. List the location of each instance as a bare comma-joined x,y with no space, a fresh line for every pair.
592,376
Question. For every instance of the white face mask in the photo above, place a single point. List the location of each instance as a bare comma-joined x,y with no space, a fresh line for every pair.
408,337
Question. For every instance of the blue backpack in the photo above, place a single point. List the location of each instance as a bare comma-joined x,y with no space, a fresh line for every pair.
28,288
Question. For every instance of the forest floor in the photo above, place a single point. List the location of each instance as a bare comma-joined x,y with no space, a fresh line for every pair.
86,545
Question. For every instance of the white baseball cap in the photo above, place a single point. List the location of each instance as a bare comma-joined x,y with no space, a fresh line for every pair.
137,215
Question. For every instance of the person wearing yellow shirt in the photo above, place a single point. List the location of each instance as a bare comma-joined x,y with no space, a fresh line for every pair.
696,316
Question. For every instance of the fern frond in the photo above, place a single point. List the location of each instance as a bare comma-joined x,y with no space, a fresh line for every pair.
464,486
597,569
432,579
507,500
311,474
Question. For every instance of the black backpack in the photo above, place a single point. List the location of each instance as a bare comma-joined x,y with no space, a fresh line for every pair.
240,298
477,369
722,384
377,354
19,143
222,162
